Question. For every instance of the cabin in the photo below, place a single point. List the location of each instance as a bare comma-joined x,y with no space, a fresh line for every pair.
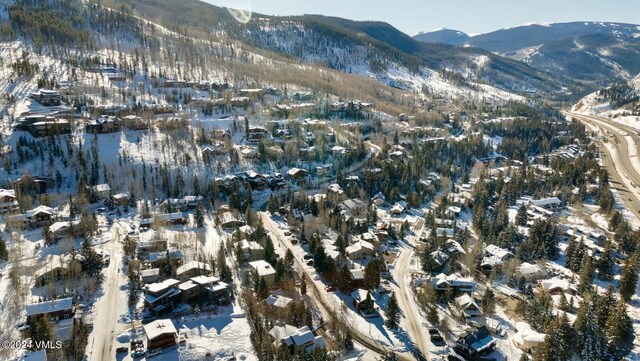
61,230
101,191
278,300
255,134
465,308
527,339
150,275
251,250
297,173
160,334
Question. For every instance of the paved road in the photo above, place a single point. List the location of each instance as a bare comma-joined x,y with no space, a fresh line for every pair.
105,323
625,177
320,295
409,308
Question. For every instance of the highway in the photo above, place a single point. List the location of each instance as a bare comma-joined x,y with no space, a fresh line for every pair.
618,154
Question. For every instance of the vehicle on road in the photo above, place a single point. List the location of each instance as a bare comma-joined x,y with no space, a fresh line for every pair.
435,336
330,288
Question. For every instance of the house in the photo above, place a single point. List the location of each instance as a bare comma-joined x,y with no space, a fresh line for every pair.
60,230
160,334
264,270
453,282
553,204
55,309
531,272
360,250
278,300
527,339
466,308
335,188
351,208
494,258
255,134
479,342
363,302
150,275
50,126
556,286
40,355
398,208
8,201
192,269
170,218
46,97
39,216
378,199
162,297
211,288
297,173
120,199
296,340
175,257
101,191
231,220
53,270
324,170
153,245
252,250
134,122
33,184
357,277
103,124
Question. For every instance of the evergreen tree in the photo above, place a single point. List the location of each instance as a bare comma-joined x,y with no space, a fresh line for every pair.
40,329
590,340
607,263
4,254
521,216
619,325
587,273
489,302
392,312
629,278
199,217
91,261
303,287
558,341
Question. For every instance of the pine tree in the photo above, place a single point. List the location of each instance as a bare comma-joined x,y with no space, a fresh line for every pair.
629,278
607,263
199,217
392,312
4,254
587,273
618,325
303,287
558,341
591,343
521,216
489,302
40,330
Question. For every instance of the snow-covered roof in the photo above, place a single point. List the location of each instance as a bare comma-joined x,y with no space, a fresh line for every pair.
50,306
262,267
546,201
158,328
278,299
161,286
191,265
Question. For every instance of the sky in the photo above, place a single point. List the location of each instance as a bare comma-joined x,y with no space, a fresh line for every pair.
470,16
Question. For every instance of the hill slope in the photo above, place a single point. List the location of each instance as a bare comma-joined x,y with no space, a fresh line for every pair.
443,36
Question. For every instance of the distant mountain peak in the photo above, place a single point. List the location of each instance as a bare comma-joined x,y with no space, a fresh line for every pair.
443,35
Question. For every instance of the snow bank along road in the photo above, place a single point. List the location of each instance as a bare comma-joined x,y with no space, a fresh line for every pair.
621,158
319,295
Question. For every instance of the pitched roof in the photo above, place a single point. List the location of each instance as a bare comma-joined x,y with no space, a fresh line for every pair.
50,306
158,328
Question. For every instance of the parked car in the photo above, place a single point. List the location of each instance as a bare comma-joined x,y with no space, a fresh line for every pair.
138,353
155,352
287,233
307,256
435,336
310,262
329,288
122,349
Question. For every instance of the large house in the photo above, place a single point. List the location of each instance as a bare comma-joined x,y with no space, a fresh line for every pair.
192,269
162,297
479,342
453,282
46,97
360,250
160,334
296,340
